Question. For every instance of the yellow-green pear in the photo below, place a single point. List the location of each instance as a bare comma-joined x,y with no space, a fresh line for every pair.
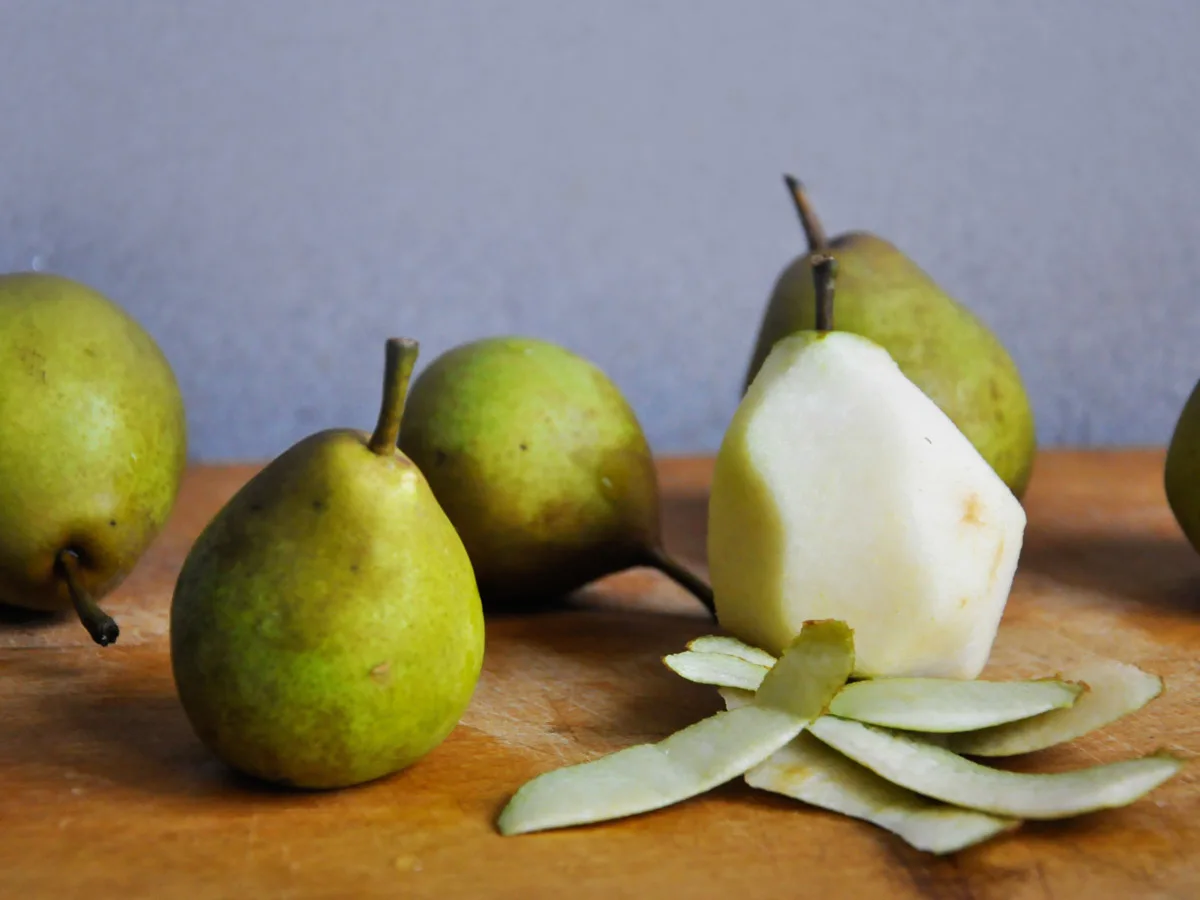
939,344
92,446
1182,473
326,628
541,465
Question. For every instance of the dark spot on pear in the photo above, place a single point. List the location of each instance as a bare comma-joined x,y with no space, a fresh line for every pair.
255,507
112,523
439,457
318,505
524,446
354,567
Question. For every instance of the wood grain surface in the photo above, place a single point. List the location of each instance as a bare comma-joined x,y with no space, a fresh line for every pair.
105,792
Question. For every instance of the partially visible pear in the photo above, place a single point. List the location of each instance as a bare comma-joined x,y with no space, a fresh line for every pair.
1182,473
541,465
92,447
326,628
939,344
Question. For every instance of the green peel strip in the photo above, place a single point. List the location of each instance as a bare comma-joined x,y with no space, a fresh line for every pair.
939,773
700,757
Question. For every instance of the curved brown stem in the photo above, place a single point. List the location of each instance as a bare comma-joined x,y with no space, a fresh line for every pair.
658,558
99,624
814,232
401,357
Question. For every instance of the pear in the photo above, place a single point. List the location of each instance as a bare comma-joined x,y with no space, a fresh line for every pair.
937,342
842,491
92,450
1182,473
541,465
326,628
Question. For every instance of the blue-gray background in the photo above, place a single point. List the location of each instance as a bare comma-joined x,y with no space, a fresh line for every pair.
272,186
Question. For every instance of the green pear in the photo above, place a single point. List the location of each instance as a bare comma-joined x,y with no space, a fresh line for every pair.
938,343
1182,474
541,465
326,628
92,450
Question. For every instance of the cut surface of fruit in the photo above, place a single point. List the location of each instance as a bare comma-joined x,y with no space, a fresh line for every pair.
700,757
841,490
809,771
1113,689
943,775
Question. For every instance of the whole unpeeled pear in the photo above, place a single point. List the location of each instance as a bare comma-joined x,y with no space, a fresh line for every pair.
93,443
1182,473
326,628
939,344
541,465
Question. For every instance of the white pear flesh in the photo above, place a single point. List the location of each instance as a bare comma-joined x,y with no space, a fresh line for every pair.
808,771
702,756
1113,690
842,491
938,773
930,705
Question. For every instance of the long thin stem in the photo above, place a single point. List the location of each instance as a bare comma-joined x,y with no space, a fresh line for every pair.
684,577
824,270
401,357
99,624
813,230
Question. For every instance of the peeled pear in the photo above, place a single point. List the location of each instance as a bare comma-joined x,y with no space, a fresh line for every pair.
939,344
92,449
326,627
841,490
541,465
1182,473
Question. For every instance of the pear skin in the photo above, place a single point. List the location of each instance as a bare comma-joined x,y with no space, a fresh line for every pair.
1181,476
326,628
93,446
939,344
542,466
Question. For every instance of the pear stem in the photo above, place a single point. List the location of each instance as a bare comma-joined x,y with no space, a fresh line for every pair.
99,624
658,558
824,271
813,230
401,357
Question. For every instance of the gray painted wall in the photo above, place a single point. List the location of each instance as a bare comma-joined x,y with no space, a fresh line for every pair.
272,186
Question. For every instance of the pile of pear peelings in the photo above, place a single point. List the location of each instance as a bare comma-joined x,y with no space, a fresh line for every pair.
890,751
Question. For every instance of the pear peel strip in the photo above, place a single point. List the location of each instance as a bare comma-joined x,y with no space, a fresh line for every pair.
1114,689
934,705
731,646
700,757
939,773
811,772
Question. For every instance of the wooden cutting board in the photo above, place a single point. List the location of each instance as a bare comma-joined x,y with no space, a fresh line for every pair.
104,791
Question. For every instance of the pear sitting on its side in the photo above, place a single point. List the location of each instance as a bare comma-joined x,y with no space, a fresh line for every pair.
541,465
841,491
326,628
938,343
1182,474
92,447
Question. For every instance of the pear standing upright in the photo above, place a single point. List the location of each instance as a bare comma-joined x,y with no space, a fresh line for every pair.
841,491
93,443
937,342
326,628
